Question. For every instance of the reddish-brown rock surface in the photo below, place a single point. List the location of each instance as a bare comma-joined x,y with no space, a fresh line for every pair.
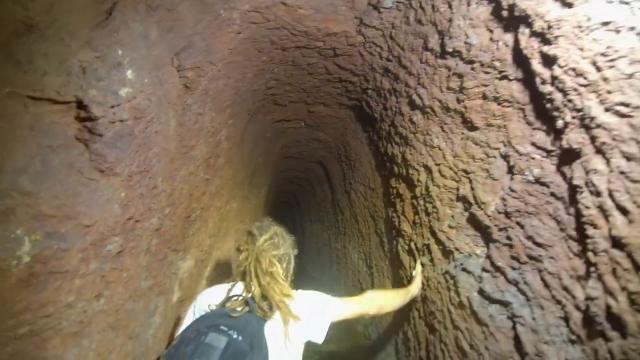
498,140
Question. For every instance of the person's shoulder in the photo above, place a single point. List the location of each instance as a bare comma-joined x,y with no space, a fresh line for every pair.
306,292
315,311
222,289
310,296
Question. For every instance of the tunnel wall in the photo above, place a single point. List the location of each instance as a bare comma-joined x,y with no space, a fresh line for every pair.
510,137
121,197
132,167
496,140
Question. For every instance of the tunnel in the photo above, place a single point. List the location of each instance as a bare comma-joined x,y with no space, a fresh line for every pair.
495,141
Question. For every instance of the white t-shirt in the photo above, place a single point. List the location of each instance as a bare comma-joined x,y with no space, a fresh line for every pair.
312,308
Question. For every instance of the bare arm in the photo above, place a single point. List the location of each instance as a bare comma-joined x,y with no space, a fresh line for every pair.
378,301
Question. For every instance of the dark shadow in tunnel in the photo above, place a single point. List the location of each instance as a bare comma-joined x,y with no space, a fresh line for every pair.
221,272
290,215
372,349
286,207
170,337
368,122
399,318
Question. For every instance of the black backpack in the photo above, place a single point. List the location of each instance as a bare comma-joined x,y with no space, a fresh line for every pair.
221,335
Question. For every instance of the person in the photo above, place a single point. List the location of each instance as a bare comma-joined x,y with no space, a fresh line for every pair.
291,317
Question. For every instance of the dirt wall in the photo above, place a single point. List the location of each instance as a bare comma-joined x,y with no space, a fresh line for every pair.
496,140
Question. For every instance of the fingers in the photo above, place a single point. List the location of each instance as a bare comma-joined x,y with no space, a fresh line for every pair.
417,273
416,283
418,268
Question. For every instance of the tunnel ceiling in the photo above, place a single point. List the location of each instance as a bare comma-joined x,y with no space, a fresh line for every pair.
496,140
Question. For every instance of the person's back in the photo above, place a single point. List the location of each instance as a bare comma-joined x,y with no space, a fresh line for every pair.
293,317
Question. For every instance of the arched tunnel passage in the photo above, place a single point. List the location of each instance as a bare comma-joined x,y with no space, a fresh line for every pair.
497,140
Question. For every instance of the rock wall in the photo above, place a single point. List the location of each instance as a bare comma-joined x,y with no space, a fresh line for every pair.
510,135
496,140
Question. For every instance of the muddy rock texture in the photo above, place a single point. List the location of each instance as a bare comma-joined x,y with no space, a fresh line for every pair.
496,140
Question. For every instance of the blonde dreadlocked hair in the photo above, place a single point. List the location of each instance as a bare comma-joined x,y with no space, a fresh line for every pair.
266,267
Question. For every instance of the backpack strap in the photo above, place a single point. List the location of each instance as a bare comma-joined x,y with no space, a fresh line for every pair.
251,303
228,295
